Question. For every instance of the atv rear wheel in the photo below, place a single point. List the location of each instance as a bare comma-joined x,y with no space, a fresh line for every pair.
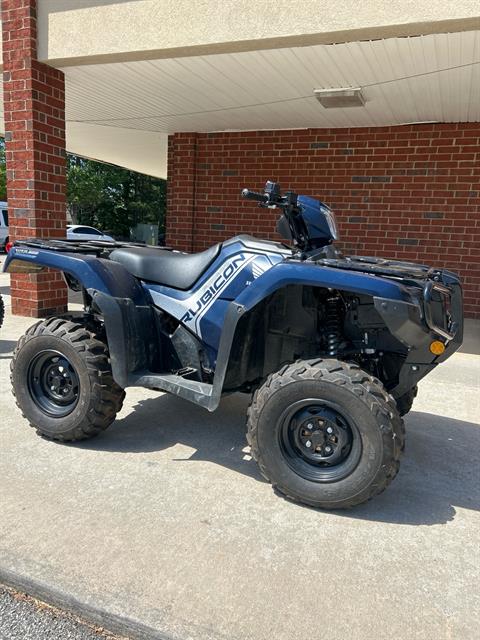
405,402
325,433
62,380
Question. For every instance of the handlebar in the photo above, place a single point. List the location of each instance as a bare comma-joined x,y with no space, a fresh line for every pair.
288,203
253,195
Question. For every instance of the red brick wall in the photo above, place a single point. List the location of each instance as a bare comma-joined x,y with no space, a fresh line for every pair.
34,105
409,192
181,180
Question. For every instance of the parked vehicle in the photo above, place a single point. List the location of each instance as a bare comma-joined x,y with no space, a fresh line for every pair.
4,238
82,232
4,233
74,232
330,347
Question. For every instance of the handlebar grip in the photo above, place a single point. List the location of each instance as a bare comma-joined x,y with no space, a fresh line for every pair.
253,195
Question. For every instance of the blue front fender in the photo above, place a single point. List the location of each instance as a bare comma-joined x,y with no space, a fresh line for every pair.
303,273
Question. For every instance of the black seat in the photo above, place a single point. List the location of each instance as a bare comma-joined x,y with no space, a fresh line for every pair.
173,269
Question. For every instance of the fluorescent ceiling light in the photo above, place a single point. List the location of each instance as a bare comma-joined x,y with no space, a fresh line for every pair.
339,98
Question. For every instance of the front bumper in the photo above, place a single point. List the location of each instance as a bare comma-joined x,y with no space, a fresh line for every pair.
435,312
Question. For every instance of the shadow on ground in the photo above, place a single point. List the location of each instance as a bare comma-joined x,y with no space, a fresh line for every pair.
471,337
160,423
439,470
6,348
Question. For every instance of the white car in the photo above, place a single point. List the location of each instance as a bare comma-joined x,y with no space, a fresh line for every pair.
81,232
3,225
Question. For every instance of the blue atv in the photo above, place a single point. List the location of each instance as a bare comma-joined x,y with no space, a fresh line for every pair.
330,347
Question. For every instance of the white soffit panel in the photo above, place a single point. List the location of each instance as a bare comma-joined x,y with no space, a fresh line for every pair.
428,78
122,112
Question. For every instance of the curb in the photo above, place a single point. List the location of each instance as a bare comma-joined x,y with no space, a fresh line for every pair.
113,623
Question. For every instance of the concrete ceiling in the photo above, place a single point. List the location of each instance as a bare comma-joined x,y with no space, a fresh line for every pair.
122,112
141,151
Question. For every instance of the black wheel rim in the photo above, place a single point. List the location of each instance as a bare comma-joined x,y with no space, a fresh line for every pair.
319,441
53,383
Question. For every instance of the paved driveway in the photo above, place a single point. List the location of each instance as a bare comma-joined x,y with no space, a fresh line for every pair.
164,520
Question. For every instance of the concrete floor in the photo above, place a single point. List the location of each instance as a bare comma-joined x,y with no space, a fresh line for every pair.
164,520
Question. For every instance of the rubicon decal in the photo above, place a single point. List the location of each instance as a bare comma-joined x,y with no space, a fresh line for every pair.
214,286
193,308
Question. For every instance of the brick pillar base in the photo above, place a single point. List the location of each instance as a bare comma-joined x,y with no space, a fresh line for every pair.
34,105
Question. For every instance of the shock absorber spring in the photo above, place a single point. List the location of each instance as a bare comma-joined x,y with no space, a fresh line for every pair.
332,325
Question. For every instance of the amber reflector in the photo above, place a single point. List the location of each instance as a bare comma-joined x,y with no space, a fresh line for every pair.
437,347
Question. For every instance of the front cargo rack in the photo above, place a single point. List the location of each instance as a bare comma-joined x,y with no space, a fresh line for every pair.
382,267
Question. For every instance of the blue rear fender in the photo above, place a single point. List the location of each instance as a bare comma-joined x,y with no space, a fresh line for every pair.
117,297
94,274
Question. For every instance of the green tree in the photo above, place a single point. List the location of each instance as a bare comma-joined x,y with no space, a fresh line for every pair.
106,196
84,189
113,198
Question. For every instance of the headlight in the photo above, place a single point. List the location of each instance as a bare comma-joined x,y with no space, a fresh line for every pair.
332,223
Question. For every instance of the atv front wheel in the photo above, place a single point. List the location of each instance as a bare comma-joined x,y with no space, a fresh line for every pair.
62,380
325,433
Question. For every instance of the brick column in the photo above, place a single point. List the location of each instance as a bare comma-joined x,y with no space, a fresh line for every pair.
34,106
181,190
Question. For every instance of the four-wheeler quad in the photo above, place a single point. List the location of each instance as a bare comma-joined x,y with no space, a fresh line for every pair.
330,347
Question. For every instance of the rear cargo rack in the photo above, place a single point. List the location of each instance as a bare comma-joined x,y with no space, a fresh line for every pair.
100,248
